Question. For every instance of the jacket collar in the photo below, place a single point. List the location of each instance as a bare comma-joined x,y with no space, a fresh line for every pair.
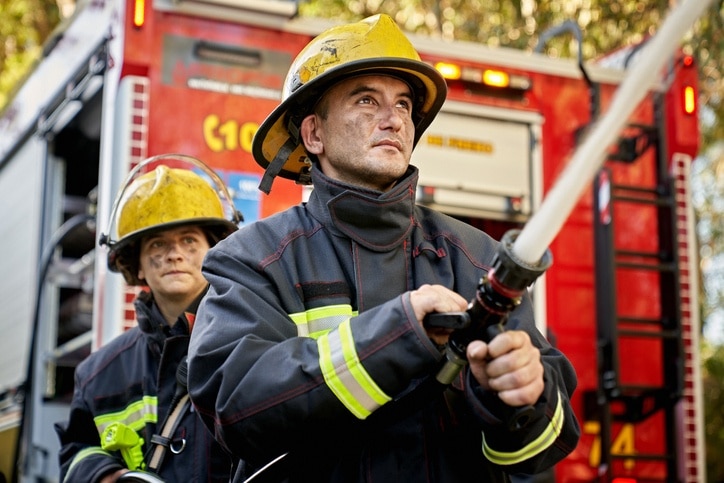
151,321
376,220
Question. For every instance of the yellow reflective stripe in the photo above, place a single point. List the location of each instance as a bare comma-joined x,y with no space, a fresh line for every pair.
315,322
345,375
136,415
84,453
538,445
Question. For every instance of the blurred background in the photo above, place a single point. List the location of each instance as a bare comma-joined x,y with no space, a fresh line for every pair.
25,25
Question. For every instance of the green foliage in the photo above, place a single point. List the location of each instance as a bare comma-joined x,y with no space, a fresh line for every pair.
24,27
712,377
707,189
707,43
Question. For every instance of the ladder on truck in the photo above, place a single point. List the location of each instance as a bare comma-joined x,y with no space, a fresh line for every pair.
621,403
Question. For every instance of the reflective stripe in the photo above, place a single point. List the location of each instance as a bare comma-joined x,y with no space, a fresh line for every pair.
82,454
136,415
538,445
345,375
315,322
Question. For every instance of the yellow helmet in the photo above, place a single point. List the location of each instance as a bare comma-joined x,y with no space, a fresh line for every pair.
164,198
375,45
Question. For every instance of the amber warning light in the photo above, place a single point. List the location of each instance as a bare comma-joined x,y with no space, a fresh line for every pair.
482,76
139,16
689,100
449,71
496,78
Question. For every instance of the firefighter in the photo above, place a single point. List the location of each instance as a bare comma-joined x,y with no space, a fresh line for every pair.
303,341
121,415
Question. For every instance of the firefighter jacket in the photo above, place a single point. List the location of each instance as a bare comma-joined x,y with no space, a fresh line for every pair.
307,332
132,380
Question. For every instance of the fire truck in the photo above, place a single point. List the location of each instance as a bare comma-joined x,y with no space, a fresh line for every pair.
123,80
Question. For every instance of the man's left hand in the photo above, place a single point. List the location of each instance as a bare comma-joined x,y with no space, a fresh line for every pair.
509,365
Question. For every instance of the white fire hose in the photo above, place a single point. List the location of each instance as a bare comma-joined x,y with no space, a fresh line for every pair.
539,231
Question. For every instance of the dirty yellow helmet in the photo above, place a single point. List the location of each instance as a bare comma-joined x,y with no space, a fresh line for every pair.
164,198
375,45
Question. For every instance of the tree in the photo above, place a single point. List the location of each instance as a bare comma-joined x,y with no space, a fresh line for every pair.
712,377
24,27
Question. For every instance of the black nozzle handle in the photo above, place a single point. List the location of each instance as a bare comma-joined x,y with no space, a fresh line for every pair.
447,320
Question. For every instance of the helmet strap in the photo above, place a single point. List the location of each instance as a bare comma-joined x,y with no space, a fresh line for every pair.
277,164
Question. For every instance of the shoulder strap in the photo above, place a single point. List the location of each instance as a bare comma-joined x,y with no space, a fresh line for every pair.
163,441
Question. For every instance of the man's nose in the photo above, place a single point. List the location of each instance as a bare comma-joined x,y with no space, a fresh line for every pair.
391,117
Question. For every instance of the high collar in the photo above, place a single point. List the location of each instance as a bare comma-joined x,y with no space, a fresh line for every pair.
376,220
151,321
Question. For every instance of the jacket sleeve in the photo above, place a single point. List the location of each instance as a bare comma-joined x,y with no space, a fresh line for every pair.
261,389
81,457
529,441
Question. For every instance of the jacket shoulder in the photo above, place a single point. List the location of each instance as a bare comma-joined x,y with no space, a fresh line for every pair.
439,225
272,231
116,351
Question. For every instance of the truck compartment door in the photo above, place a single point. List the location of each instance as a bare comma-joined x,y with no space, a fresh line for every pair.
476,161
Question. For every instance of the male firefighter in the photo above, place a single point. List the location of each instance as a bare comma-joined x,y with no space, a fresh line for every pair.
314,321
128,410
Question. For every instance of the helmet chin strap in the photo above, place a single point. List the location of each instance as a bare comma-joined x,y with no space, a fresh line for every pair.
280,159
277,164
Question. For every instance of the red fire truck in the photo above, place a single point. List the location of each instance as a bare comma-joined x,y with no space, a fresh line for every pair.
127,79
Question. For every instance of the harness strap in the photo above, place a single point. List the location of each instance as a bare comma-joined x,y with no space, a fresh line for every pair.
163,440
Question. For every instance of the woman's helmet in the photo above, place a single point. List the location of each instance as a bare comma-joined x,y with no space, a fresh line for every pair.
375,45
165,196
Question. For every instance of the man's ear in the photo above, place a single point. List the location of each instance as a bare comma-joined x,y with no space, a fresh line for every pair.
310,135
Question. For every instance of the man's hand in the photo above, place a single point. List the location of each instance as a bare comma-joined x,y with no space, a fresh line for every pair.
509,365
435,298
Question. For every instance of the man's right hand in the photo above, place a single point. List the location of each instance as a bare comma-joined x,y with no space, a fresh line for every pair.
429,299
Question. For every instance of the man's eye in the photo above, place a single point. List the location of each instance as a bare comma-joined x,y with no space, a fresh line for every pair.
157,244
190,240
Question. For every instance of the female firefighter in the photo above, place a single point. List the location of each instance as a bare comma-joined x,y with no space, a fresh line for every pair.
122,414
